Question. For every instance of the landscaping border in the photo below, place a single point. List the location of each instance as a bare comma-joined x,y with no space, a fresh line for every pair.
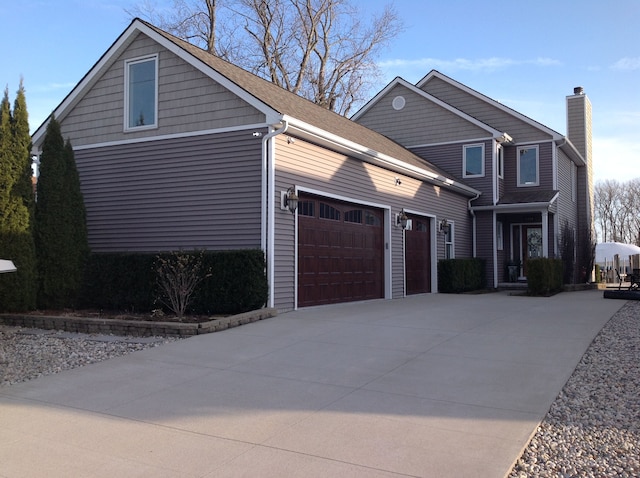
138,328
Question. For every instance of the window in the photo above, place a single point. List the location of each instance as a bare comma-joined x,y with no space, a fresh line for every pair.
307,208
141,93
449,251
371,219
473,160
500,162
329,212
528,166
499,236
355,216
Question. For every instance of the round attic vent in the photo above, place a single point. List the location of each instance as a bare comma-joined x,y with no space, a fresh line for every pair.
398,103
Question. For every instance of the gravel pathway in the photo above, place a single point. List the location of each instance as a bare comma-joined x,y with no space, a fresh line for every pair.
593,427
591,430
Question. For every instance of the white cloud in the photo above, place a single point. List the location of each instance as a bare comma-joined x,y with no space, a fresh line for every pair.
460,64
627,64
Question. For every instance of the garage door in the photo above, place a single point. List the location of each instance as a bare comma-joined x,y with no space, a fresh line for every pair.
340,252
418,256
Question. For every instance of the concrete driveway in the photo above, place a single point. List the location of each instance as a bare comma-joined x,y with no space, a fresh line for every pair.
433,386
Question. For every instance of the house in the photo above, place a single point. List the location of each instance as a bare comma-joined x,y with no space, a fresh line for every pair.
178,149
535,184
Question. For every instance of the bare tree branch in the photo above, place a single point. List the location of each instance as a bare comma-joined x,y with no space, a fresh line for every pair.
323,50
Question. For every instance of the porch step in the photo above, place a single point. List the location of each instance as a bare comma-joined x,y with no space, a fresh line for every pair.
512,286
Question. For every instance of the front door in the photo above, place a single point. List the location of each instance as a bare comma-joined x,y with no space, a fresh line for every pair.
531,244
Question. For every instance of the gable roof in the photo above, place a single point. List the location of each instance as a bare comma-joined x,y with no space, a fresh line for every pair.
280,107
496,134
436,74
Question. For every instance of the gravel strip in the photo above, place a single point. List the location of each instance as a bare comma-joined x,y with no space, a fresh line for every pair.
26,354
593,427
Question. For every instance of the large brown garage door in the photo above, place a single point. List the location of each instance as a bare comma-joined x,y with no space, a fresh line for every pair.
418,256
340,252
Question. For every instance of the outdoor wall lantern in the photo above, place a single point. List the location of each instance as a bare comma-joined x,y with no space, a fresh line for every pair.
444,226
402,219
290,200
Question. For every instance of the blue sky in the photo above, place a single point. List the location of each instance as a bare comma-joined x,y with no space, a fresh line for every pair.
527,54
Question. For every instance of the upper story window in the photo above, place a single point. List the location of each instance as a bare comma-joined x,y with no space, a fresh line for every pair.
528,167
473,160
500,153
141,93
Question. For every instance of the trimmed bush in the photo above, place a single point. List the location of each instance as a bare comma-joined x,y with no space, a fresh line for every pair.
544,276
127,282
461,275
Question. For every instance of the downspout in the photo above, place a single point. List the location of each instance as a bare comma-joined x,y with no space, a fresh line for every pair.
268,204
473,227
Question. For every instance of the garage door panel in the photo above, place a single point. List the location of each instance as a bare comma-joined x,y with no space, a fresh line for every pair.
340,259
418,257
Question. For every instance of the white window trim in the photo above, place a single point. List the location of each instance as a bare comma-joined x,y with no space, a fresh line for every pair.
464,160
128,63
452,230
500,161
537,183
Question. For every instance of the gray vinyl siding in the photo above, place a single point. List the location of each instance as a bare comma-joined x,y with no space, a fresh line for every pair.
579,119
484,242
545,166
312,167
189,193
188,101
499,119
449,157
566,207
420,121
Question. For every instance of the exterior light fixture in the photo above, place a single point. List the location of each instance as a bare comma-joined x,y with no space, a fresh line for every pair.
444,226
290,200
402,219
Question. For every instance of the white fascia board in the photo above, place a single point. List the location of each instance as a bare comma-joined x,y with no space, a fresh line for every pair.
338,143
397,80
436,74
566,145
497,135
272,116
521,207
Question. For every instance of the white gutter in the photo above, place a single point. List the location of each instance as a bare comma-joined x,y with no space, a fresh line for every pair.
268,204
473,224
323,136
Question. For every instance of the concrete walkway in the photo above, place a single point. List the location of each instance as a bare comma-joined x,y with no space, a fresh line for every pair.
430,386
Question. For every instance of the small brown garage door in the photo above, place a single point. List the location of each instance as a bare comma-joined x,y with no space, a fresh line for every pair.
418,256
340,252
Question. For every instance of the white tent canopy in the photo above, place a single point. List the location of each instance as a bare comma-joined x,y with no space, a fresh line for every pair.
7,266
606,251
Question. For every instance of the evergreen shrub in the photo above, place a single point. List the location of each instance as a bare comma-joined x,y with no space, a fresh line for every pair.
461,275
544,276
127,282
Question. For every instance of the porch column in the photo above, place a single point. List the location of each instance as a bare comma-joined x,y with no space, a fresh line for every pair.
545,233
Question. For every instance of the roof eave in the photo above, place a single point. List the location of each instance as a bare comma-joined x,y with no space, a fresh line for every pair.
338,143
137,25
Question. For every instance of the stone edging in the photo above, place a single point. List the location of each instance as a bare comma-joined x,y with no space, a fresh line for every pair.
140,328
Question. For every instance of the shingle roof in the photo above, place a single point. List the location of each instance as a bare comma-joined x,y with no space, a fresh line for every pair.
528,197
290,104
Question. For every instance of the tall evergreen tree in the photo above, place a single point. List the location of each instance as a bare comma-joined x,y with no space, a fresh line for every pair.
60,226
17,290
